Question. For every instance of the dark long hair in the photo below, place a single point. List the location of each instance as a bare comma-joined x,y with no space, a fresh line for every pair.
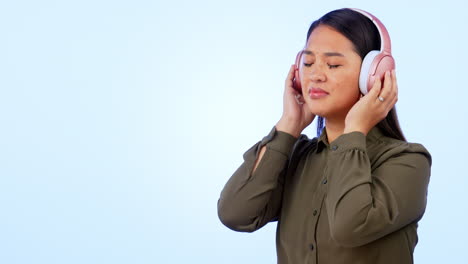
365,37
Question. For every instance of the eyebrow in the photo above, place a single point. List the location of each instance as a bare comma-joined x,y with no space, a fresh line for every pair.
328,54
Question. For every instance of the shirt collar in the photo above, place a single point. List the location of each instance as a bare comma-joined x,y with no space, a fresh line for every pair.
322,141
373,136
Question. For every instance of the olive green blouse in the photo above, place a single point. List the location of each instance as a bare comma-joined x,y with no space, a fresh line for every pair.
356,200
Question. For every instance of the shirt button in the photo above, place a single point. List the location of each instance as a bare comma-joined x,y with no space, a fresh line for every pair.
325,181
311,246
315,212
335,147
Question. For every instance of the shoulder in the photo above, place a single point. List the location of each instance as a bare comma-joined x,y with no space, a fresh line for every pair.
384,148
303,145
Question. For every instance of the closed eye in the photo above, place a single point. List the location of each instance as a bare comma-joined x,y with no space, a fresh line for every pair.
330,66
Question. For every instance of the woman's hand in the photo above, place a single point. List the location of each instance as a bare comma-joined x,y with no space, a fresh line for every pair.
296,115
374,106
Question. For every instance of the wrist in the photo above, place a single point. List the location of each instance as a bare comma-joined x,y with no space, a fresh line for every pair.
289,127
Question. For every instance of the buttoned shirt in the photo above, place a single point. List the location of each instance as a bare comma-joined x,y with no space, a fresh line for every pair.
356,200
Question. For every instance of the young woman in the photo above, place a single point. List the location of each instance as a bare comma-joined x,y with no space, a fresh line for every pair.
355,193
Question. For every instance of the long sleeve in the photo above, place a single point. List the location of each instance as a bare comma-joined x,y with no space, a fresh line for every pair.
249,200
369,199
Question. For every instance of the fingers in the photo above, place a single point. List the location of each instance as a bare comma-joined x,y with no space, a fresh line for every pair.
289,79
291,97
385,93
376,88
374,106
388,94
395,84
299,99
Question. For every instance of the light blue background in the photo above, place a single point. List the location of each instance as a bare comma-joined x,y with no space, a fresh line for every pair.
121,121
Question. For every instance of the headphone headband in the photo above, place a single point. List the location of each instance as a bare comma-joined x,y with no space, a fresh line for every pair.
385,44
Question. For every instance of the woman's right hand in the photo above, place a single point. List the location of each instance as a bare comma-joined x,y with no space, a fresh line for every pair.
296,115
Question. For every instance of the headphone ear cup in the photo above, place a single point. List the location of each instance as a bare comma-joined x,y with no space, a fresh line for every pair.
367,63
384,63
297,81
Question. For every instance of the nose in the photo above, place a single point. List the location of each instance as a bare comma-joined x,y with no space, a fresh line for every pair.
317,74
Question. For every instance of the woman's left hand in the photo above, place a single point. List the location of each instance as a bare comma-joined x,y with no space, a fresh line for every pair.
374,106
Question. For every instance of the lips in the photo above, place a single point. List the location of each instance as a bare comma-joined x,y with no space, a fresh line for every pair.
317,93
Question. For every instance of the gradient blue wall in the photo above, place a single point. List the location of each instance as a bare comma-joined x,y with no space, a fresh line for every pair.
121,121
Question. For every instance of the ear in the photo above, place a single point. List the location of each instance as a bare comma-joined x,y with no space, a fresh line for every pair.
365,70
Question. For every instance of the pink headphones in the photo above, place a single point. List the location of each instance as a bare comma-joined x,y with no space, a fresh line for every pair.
375,63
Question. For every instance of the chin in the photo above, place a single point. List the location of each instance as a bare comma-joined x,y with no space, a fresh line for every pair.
316,110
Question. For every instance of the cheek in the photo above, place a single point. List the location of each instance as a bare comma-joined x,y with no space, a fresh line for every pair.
347,82
347,90
353,74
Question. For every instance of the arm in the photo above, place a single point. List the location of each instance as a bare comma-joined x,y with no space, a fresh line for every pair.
251,199
252,196
366,204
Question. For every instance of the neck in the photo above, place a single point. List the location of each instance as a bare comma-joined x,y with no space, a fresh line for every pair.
334,128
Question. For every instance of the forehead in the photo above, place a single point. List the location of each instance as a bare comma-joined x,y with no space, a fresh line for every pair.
325,39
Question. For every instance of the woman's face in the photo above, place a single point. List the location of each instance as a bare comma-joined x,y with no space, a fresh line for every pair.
330,73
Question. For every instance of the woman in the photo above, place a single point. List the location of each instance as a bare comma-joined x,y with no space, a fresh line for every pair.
356,192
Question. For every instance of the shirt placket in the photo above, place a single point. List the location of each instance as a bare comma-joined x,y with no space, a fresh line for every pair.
315,213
